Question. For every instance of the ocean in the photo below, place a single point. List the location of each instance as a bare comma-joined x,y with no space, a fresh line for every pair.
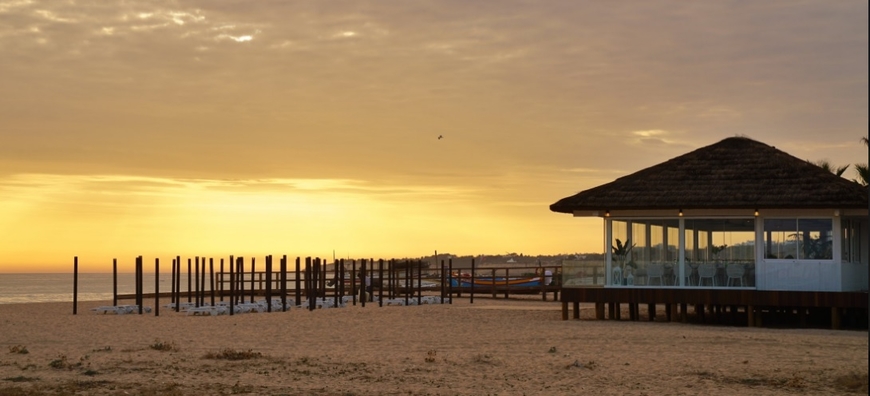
27,288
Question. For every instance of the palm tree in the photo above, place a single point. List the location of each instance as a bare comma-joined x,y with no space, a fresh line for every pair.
862,169
826,165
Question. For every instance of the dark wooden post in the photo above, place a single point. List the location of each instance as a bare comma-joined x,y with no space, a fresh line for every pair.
284,283
450,284
202,284
156,287
136,281
221,277
310,282
321,277
178,284
341,278
232,266
419,282
362,284
114,282
298,281
354,280
189,280
507,282
443,287
451,279
391,265
196,283
335,282
172,285
380,282
141,272
493,283
253,275
75,285
269,283
211,278
240,279
473,271
409,282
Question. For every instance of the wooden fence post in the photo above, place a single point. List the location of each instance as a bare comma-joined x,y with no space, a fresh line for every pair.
75,285
156,287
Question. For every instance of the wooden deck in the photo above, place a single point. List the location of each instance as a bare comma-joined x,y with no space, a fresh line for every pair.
749,307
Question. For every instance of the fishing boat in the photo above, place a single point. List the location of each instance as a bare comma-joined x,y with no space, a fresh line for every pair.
465,280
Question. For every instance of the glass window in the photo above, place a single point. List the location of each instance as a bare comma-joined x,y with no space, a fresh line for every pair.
722,240
851,241
639,238
802,239
621,247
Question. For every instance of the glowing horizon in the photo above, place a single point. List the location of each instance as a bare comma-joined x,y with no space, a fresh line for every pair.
113,216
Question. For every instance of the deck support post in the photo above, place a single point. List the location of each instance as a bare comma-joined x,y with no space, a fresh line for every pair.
684,312
750,316
651,311
599,310
565,310
576,309
835,318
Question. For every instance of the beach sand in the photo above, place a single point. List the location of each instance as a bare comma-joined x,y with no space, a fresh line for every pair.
491,347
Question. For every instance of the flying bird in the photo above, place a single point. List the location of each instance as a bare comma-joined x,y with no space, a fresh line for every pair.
440,137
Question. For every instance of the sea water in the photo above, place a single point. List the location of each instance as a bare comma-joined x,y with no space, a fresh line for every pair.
28,288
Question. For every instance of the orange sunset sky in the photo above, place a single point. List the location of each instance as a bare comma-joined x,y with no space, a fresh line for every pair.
210,128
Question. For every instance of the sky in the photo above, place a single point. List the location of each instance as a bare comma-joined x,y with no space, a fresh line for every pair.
311,128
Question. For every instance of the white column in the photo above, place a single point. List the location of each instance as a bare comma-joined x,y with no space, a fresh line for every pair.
681,252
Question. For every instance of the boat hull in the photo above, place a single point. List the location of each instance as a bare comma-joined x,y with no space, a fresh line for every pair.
497,282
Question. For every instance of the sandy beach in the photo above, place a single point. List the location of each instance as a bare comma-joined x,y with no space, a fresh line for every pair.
491,347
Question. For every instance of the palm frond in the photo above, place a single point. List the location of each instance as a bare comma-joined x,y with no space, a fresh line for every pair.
863,171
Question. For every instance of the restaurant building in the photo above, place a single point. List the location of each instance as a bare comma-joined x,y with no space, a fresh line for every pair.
738,230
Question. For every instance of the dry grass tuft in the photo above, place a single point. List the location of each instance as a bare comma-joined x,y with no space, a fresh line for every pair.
20,378
484,358
19,349
61,363
163,346
229,354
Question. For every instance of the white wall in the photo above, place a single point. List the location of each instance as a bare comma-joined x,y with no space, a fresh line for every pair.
798,275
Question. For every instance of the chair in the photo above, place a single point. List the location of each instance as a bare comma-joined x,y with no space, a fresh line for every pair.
617,276
735,272
689,274
655,270
707,271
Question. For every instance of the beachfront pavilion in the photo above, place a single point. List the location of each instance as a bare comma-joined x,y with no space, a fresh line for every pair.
738,224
